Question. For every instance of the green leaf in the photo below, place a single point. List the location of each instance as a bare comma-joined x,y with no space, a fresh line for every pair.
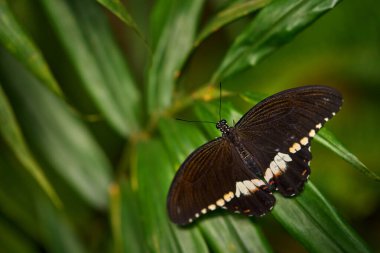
14,39
117,8
276,25
316,224
223,234
231,13
16,192
330,141
128,234
57,232
153,177
10,132
12,240
51,129
87,39
173,47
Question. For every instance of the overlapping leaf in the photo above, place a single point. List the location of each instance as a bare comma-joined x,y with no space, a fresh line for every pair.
61,139
231,13
86,37
14,39
10,132
177,25
275,26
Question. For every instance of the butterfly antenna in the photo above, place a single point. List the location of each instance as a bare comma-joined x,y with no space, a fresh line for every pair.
220,101
196,121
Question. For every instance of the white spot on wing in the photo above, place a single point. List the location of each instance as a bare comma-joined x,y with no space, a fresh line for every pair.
228,196
220,202
241,188
250,186
319,125
280,163
312,133
304,141
257,182
273,166
204,210
297,146
268,175
197,215
326,119
212,207
285,157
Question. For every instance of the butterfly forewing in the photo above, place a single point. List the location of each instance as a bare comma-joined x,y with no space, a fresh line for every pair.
208,180
278,131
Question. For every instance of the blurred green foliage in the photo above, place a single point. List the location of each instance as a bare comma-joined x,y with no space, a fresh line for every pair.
89,90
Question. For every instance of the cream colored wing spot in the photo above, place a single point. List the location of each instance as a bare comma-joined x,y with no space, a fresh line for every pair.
268,176
284,157
319,126
250,186
212,207
304,141
220,202
241,189
258,182
228,196
312,133
275,169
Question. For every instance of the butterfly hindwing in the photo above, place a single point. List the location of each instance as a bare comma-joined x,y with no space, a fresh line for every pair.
279,129
214,176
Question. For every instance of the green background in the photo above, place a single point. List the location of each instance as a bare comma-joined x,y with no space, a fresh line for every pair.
89,143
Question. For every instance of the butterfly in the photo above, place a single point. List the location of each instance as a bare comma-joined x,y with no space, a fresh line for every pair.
267,150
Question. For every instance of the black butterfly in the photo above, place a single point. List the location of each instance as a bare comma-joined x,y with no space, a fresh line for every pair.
267,150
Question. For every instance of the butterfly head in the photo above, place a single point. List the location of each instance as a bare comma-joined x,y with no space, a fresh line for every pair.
222,126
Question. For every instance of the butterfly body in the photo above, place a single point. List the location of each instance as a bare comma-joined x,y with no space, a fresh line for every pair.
232,136
268,149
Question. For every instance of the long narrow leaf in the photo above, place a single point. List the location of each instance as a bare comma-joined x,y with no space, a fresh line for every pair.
16,191
312,220
128,234
61,139
276,25
13,241
330,141
58,235
117,8
228,15
173,47
14,39
10,132
86,37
